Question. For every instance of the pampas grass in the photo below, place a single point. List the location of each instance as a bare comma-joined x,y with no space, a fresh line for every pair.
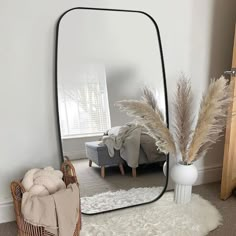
152,120
150,99
192,144
211,118
183,118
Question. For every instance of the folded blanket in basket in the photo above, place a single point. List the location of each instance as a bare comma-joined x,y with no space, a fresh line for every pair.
43,182
58,212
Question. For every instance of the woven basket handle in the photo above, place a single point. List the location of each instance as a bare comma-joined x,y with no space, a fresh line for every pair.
69,174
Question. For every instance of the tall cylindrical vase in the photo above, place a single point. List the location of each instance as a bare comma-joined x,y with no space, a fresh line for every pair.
184,176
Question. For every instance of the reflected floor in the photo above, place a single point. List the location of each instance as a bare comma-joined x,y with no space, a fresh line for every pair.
92,183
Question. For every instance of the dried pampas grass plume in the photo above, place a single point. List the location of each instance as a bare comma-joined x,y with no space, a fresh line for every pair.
150,99
153,122
211,118
183,115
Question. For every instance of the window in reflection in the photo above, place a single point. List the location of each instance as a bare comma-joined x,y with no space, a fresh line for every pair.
83,102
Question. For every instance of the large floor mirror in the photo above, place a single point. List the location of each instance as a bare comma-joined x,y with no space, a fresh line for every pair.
104,56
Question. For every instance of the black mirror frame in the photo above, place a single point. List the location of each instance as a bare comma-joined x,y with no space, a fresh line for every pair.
165,91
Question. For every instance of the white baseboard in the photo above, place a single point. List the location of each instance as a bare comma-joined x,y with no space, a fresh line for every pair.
6,211
76,155
205,175
209,175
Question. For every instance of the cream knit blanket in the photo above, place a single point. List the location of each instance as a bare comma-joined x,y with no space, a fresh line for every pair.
42,182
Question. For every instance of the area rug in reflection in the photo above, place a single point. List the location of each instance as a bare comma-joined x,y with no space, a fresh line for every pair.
112,200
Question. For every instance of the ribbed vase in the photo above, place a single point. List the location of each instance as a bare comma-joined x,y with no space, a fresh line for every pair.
184,177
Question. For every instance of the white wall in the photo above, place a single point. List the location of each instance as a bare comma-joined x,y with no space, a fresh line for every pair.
197,37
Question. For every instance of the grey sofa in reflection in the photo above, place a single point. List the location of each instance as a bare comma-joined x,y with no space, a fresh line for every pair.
97,152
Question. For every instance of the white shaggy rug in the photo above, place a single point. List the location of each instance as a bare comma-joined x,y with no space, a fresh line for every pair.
162,217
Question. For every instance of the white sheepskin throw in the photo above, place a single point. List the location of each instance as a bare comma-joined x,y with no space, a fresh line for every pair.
161,218
43,182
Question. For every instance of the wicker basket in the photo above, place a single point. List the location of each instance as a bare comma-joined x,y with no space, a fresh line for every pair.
17,189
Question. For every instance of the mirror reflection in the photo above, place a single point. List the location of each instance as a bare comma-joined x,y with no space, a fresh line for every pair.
104,57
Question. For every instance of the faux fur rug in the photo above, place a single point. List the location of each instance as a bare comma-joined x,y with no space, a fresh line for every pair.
163,217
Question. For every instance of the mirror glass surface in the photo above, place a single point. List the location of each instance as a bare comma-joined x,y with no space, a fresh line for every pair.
103,57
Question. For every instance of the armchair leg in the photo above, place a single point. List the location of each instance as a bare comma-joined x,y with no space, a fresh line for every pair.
122,171
90,163
134,173
103,171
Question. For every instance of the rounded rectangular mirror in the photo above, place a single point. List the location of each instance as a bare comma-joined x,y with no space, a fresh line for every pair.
104,56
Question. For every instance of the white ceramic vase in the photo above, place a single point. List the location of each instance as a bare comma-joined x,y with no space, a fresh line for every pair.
184,176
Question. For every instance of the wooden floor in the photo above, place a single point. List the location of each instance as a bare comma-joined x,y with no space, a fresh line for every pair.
91,183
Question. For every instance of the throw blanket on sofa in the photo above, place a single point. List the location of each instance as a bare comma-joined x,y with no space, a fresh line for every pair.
125,138
129,138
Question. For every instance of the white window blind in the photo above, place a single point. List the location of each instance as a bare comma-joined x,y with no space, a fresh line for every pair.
83,102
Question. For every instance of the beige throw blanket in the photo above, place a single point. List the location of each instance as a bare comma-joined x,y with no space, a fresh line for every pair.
125,138
128,139
58,212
